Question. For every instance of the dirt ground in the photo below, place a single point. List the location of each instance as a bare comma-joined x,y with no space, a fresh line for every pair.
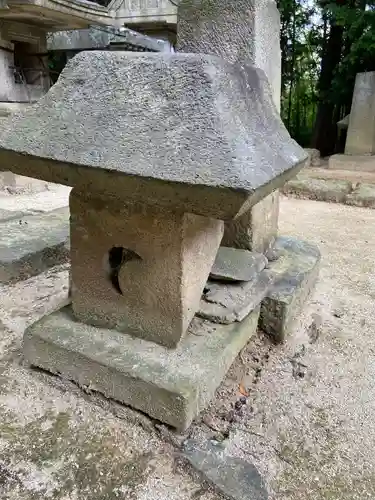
308,422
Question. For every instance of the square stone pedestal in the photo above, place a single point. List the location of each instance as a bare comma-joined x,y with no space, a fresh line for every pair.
138,269
169,385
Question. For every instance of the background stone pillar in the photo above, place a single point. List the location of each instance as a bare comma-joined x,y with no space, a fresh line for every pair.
361,131
247,32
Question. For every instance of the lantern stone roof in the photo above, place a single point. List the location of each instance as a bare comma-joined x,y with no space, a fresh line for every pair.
187,131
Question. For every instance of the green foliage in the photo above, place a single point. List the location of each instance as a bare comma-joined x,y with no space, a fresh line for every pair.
317,75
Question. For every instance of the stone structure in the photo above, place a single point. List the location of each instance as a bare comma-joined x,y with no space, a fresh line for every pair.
256,41
360,140
361,131
155,171
23,37
156,18
23,42
24,72
74,41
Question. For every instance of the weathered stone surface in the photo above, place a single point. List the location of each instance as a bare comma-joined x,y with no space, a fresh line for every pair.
169,385
232,476
314,157
212,163
360,138
10,214
353,176
294,276
94,38
231,302
362,163
318,189
362,196
153,288
232,264
19,184
207,27
147,15
33,243
244,32
256,230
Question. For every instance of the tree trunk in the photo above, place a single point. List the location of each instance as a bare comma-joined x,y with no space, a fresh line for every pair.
324,136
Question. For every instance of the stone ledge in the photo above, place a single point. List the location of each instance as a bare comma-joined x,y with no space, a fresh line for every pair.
294,275
323,186
169,385
318,189
31,244
364,163
362,196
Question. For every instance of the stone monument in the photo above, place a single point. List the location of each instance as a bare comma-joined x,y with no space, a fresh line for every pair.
360,140
160,149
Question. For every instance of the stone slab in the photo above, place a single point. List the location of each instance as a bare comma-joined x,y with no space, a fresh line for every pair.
318,189
19,184
172,386
353,176
226,303
10,214
294,275
212,162
31,244
236,478
233,264
99,39
362,196
362,163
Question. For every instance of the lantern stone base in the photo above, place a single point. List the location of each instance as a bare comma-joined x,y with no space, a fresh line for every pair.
170,385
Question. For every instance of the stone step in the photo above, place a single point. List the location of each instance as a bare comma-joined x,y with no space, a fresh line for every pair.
331,190
294,275
360,194
32,243
353,176
364,163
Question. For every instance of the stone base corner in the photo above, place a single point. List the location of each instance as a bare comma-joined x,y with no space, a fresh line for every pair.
172,386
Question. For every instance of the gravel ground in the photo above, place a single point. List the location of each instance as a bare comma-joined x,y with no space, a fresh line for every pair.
308,419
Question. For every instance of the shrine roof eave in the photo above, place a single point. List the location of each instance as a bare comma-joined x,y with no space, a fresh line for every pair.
58,14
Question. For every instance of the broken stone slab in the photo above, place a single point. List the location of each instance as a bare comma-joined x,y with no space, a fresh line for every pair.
318,189
32,244
236,478
212,163
293,275
169,385
226,303
233,264
362,196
